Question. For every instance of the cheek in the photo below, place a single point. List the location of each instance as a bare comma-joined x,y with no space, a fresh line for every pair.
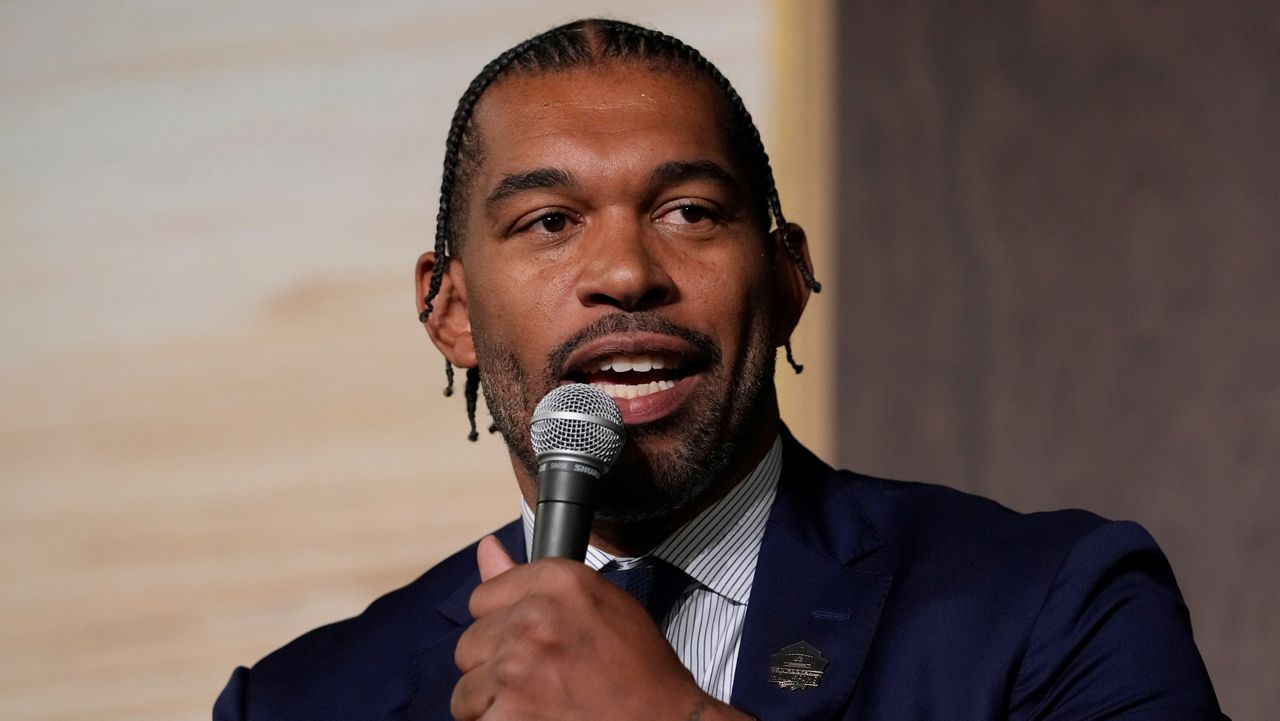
728,290
551,298
520,310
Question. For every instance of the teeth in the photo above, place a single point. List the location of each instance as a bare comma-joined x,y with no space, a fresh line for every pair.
638,363
622,390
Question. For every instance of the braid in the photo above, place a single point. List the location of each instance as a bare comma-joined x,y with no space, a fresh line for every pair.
578,44
472,393
453,147
454,144
744,123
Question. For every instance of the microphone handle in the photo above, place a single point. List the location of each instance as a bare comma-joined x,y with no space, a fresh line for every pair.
566,505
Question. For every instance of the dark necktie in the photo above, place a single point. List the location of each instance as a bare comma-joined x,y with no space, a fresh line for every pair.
657,585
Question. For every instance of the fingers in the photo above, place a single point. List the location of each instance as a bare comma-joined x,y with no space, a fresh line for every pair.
472,696
541,628
494,669
476,645
492,558
555,578
535,624
507,614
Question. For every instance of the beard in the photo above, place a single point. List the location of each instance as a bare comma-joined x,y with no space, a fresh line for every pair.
667,464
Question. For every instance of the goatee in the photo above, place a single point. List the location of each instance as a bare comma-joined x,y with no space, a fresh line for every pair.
699,441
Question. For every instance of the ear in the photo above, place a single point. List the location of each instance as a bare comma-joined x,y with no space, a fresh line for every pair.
791,289
449,325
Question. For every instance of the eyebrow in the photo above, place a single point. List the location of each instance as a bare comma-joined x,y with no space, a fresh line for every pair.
683,171
672,173
529,180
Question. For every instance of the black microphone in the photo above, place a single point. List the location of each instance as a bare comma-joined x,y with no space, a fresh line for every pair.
577,434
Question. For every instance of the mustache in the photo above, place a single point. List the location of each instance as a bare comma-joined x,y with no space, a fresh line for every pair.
640,322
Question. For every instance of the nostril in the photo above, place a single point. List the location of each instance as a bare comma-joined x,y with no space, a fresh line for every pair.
655,296
652,297
624,269
603,299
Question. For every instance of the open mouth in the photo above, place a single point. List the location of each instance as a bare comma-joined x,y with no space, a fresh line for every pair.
649,375
630,376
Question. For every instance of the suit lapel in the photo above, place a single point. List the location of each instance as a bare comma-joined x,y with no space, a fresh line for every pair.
436,675
816,582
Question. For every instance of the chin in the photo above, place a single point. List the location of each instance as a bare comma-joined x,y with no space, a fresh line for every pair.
654,479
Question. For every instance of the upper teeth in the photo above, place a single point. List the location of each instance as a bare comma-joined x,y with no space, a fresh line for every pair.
640,363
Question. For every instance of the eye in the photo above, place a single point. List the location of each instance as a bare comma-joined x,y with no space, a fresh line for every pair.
690,214
552,223
547,222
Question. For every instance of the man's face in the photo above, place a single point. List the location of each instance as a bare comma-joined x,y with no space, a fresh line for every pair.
610,239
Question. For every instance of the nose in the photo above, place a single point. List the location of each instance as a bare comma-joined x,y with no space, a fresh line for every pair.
623,268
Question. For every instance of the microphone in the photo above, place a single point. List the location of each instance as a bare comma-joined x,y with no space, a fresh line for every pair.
577,434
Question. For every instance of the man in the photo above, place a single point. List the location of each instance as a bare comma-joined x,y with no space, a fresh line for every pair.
606,218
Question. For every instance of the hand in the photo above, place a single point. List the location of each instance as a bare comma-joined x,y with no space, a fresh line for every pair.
554,640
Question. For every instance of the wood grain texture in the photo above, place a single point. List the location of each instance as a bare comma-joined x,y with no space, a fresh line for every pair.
805,171
1061,278
220,422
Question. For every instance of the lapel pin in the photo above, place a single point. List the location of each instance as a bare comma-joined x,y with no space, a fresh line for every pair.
797,667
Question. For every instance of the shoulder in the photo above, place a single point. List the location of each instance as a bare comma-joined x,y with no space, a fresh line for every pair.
1080,614
971,548
364,662
924,519
923,525
958,549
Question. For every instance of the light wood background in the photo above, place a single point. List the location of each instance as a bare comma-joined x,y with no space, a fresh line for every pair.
220,424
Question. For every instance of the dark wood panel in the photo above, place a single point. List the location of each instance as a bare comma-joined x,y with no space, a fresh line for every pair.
1060,277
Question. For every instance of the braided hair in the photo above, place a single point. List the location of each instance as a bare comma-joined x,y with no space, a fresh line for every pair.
584,43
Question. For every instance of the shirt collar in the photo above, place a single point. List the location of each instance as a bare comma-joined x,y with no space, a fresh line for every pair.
719,547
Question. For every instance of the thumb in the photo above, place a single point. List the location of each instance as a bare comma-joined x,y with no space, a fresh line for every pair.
492,558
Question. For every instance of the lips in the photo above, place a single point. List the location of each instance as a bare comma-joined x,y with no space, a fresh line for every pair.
634,376
648,376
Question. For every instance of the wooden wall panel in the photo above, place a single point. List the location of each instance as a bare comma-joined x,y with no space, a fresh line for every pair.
220,422
1060,278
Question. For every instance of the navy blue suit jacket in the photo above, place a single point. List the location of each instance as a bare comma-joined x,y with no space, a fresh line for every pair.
927,604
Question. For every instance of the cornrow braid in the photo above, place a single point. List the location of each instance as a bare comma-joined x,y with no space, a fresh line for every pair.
580,44
472,392
444,219
765,168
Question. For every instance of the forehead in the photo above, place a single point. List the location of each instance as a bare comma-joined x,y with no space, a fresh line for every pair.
611,114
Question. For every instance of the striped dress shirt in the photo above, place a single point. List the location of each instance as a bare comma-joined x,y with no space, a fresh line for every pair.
718,549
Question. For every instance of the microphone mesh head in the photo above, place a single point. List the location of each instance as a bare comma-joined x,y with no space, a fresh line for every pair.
579,418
